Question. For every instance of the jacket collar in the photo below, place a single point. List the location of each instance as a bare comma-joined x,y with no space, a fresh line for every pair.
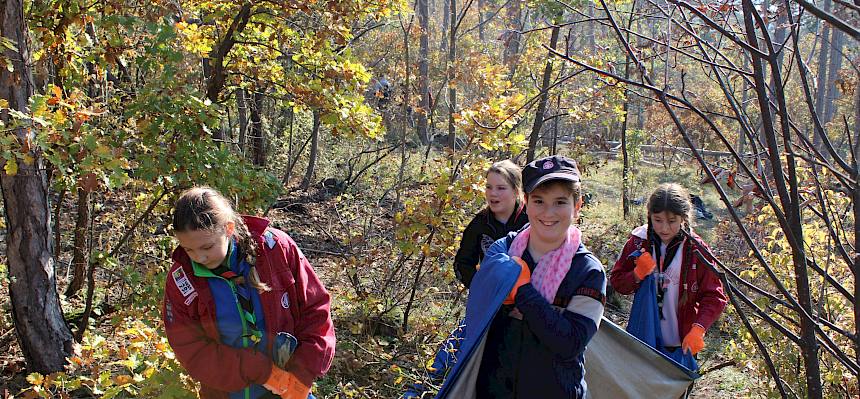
519,207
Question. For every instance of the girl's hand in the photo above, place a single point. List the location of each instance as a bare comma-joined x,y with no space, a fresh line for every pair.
286,384
694,342
524,278
645,264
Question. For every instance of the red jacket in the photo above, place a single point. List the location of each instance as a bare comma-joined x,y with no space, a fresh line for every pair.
297,303
701,298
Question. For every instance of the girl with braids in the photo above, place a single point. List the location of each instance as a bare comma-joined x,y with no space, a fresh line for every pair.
243,309
662,259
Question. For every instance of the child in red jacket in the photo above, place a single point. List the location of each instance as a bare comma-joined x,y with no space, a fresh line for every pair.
243,309
690,295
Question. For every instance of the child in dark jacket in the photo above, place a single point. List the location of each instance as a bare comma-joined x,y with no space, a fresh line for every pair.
505,212
690,295
243,309
535,345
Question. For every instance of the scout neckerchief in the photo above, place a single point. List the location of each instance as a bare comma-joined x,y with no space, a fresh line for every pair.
243,294
661,259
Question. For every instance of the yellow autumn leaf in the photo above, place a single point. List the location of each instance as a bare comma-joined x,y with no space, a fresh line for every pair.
60,117
11,167
35,379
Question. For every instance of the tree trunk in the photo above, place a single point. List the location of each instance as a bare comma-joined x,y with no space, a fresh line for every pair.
832,94
856,205
423,72
539,115
481,5
404,113
58,238
780,32
80,255
258,138
80,250
452,89
242,110
779,38
789,201
625,171
821,76
446,24
312,157
556,120
589,29
42,333
742,137
513,35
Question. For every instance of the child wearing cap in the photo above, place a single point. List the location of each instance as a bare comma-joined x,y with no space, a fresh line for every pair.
536,342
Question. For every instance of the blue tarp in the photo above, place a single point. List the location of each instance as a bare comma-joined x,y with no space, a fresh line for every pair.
644,324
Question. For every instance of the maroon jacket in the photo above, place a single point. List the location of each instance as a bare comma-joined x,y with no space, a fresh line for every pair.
297,303
701,299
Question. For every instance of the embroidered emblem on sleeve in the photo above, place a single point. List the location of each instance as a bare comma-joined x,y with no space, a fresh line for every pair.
285,301
270,239
184,284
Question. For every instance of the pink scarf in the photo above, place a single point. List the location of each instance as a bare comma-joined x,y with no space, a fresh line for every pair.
553,265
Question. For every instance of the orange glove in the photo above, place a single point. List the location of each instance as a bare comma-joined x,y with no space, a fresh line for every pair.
645,264
524,278
695,340
286,384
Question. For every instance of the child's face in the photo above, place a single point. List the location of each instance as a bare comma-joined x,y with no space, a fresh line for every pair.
667,225
207,247
551,211
500,196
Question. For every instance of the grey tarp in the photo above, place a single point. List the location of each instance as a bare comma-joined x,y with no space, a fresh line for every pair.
618,366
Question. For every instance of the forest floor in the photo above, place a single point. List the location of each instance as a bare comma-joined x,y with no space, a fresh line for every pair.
374,360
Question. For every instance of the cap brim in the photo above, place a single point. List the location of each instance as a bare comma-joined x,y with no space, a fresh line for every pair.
551,176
